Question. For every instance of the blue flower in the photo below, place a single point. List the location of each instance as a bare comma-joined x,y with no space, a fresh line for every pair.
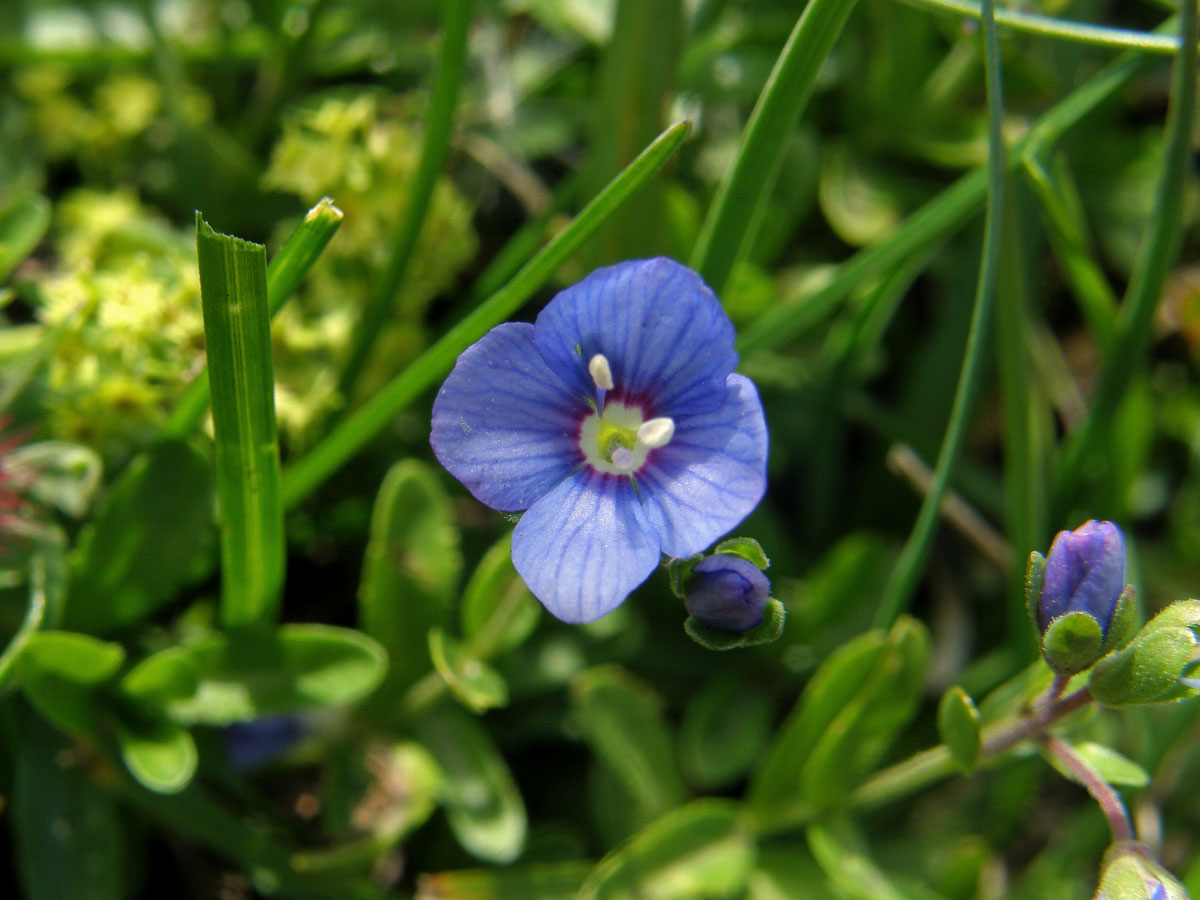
252,745
1085,572
617,424
727,592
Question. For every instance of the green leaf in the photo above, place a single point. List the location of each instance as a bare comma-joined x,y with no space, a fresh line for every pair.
1110,765
746,548
1146,671
358,429
158,753
297,667
861,732
410,570
783,873
768,630
60,672
61,475
958,727
23,224
736,210
145,538
725,727
46,583
237,337
69,835
840,853
545,881
161,678
498,612
476,684
621,720
483,806
696,852
775,785
1072,642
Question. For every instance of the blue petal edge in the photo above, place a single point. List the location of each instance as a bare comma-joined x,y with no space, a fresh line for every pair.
711,475
585,546
665,334
503,423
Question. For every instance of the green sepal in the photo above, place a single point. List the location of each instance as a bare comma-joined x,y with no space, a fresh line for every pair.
1124,621
746,548
958,727
1072,643
1148,668
768,630
1123,880
1035,573
678,570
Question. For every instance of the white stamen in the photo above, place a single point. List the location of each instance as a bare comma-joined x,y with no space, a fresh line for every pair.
656,432
600,371
622,458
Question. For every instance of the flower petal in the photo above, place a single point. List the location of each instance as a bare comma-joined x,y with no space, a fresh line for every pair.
663,332
503,423
585,545
711,475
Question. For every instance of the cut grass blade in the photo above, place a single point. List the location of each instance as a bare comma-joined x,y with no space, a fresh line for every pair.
736,210
237,335
906,574
439,119
352,434
287,269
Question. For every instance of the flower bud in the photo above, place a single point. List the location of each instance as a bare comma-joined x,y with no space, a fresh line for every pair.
1077,596
1130,872
1085,572
727,592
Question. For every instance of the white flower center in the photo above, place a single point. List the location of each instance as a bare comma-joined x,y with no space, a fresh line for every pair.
616,438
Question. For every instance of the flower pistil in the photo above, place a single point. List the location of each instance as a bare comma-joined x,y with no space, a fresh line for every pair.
617,438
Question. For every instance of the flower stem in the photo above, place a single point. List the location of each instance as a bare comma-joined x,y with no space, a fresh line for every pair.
932,765
1109,800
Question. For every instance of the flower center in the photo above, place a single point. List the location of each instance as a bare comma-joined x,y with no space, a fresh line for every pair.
617,438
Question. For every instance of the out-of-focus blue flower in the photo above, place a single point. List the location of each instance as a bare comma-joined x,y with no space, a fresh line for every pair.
617,423
251,745
1085,572
727,592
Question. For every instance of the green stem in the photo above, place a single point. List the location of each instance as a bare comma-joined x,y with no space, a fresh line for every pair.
359,428
932,765
439,120
736,210
1102,792
1133,332
913,557
1061,29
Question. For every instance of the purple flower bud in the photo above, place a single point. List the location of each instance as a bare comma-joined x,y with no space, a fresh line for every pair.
252,745
1085,572
727,592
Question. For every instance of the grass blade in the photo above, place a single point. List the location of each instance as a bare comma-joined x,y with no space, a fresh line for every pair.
935,220
911,564
353,433
733,216
1134,323
287,269
439,119
237,334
